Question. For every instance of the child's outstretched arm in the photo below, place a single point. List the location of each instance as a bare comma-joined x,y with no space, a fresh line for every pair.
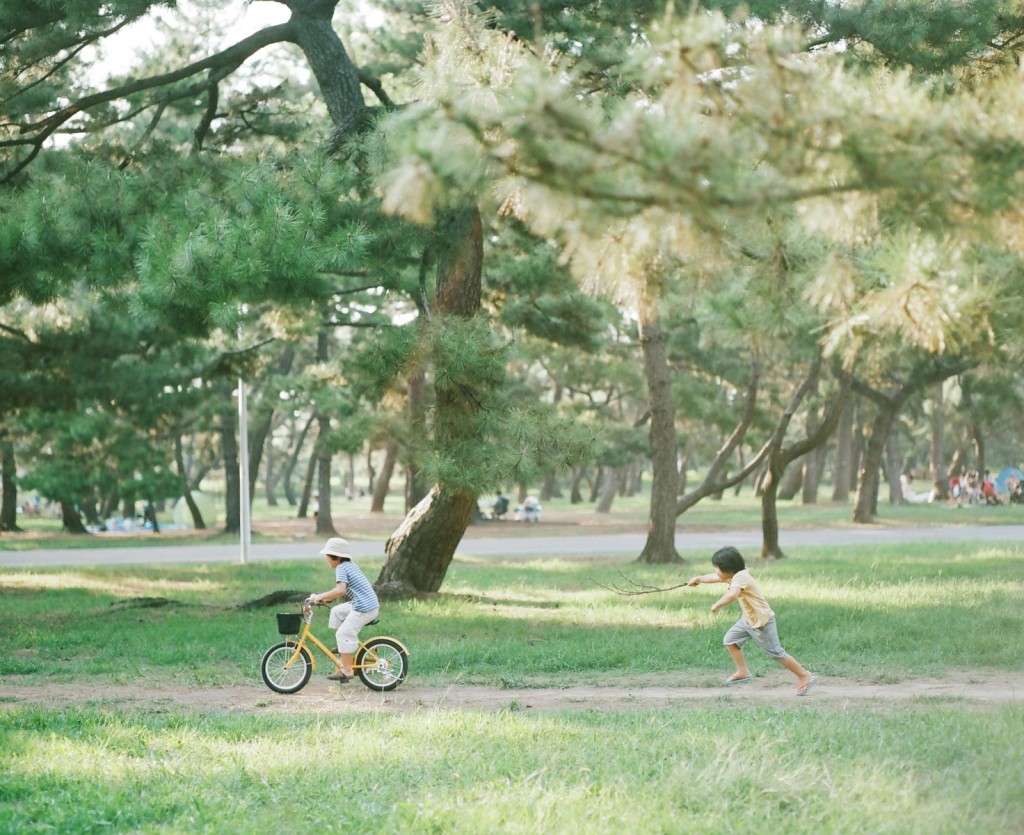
726,599
704,578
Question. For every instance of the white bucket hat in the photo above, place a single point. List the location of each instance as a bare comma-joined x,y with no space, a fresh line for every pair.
336,547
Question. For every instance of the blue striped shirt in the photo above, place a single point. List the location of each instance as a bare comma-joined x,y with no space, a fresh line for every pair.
358,588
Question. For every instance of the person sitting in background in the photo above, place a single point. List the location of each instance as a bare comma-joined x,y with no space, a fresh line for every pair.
500,506
909,494
955,488
529,510
988,490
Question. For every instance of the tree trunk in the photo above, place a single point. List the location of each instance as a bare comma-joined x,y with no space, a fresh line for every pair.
810,464
575,491
788,484
770,548
842,457
270,476
70,517
865,503
596,483
416,488
324,516
928,370
9,487
937,460
179,459
419,552
307,483
780,457
293,460
380,489
859,442
609,489
660,546
894,466
232,476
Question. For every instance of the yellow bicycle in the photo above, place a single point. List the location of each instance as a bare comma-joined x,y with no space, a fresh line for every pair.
381,663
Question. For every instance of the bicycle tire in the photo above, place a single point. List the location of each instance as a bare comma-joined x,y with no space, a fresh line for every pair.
283,679
387,664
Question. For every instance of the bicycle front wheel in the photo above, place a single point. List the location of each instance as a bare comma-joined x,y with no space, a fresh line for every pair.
282,678
382,664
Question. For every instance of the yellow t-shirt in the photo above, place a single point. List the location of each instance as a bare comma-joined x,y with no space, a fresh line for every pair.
756,610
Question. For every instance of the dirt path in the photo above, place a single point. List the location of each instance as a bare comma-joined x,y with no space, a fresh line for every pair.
970,690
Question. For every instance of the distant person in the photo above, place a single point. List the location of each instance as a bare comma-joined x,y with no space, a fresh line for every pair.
956,489
988,489
529,510
500,506
757,620
349,617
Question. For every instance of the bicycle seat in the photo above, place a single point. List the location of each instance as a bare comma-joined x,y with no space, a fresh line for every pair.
372,622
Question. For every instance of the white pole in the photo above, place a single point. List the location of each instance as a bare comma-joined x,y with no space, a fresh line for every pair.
243,469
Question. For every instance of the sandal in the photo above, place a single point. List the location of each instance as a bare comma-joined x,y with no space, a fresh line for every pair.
339,676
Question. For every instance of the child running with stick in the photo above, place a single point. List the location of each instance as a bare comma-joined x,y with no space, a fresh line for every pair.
757,621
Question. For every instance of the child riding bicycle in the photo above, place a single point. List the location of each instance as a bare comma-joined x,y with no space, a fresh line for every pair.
349,617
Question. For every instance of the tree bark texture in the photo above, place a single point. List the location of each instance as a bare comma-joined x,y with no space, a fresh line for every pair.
421,549
660,546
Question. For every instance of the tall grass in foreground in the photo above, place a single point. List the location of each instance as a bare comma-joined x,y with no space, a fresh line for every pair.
723,768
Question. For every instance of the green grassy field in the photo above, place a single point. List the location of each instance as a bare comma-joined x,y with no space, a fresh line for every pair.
883,614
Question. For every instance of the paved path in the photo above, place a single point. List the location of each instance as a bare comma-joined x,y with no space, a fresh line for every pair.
513,547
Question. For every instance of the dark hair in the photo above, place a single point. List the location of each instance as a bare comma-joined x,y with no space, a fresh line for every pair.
729,560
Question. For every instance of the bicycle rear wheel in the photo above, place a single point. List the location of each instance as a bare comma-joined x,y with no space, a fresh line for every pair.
281,678
382,664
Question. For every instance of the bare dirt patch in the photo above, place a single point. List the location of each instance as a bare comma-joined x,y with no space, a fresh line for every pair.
975,691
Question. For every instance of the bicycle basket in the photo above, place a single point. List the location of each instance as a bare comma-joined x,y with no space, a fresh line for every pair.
288,623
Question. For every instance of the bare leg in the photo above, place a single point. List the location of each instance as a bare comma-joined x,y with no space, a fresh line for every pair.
346,663
791,664
742,671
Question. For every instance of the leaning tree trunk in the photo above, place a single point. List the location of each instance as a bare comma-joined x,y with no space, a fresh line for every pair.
179,459
419,552
660,546
383,483
779,457
70,517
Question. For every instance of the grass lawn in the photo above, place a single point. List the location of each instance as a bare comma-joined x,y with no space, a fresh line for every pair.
729,764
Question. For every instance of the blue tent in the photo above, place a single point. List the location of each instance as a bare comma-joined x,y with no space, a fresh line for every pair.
1005,474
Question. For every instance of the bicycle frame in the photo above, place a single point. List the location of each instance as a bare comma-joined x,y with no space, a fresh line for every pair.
307,637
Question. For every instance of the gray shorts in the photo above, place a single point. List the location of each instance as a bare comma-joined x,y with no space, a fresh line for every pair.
766,637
